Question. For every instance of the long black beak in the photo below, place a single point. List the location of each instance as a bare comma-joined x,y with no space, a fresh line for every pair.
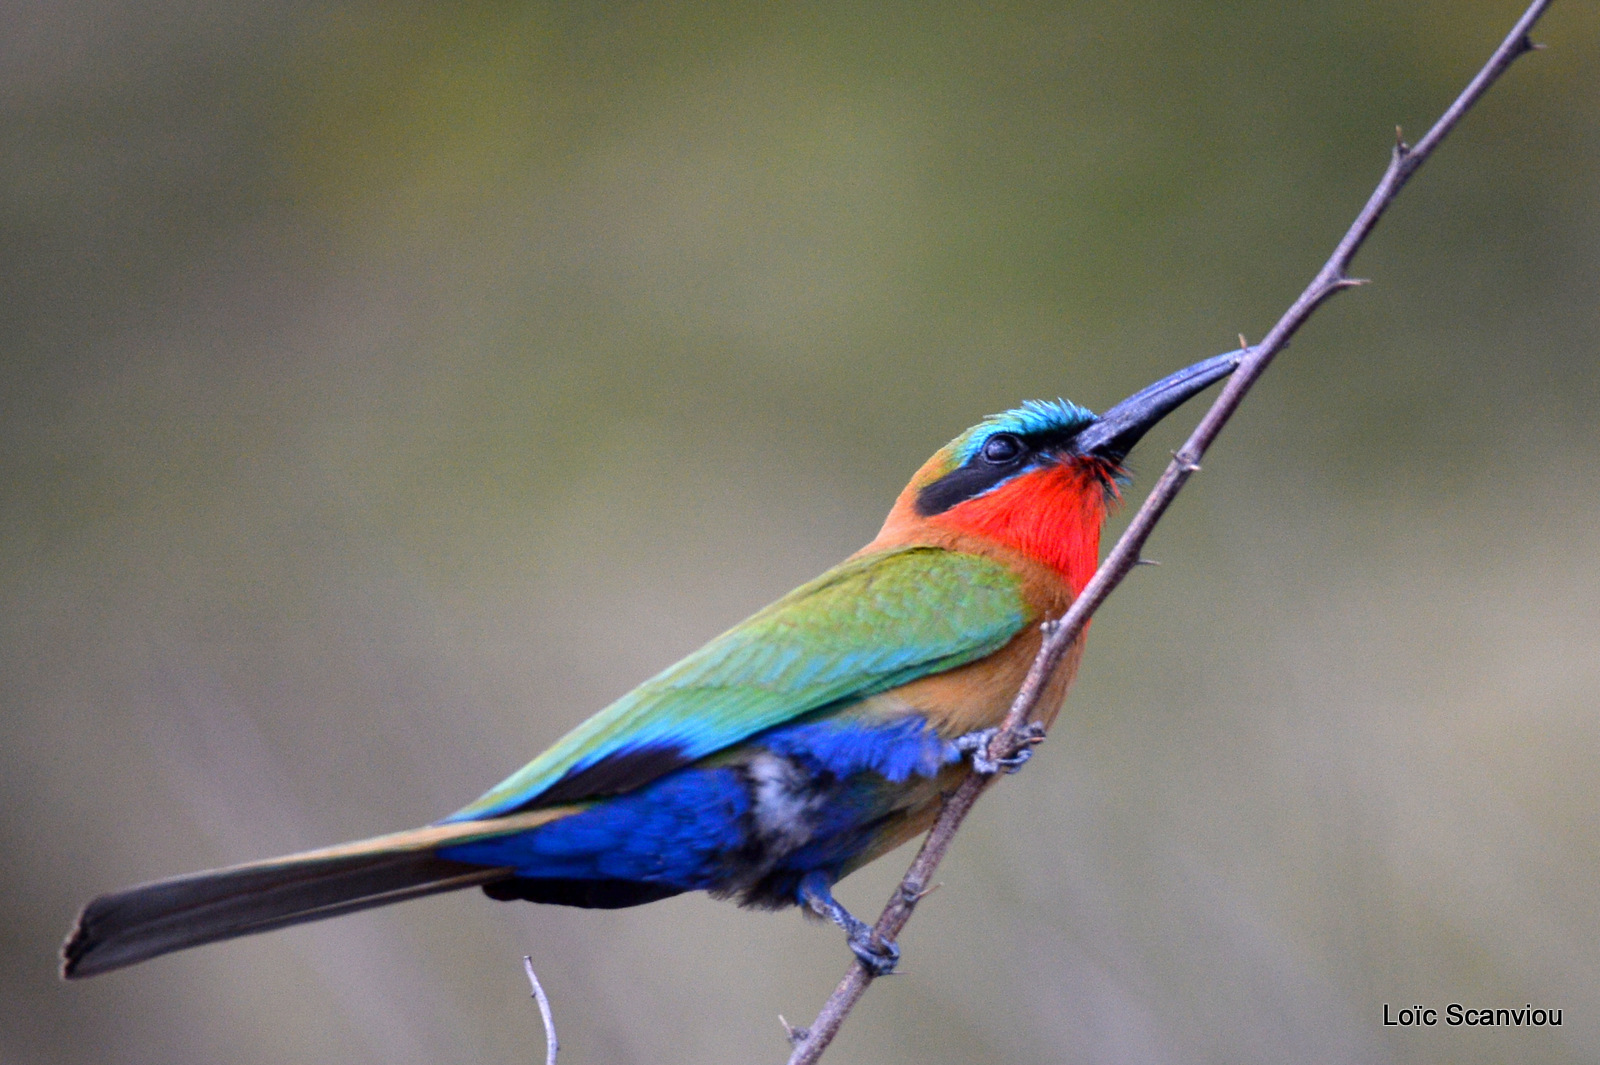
1119,428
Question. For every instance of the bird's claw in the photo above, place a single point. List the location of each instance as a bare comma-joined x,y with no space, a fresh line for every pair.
879,955
976,744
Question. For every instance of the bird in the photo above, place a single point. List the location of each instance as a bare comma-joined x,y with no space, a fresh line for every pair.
791,750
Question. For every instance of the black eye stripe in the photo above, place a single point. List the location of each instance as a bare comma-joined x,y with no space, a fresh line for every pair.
982,472
978,475
958,486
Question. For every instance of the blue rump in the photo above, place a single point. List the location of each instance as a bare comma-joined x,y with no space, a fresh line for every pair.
674,831
695,828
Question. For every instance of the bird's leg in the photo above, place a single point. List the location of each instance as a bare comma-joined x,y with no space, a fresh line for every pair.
977,745
878,955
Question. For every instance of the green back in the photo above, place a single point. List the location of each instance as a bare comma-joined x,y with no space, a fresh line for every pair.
867,625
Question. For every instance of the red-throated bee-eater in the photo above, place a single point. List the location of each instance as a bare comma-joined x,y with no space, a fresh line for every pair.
787,752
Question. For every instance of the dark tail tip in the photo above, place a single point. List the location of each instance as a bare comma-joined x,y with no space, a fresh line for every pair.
76,948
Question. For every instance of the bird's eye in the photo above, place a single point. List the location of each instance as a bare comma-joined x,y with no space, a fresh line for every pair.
1001,448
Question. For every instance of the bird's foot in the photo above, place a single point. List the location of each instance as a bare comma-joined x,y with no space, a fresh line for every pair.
976,744
880,956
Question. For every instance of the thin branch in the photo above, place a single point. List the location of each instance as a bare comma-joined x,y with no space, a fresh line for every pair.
1018,730
552,1045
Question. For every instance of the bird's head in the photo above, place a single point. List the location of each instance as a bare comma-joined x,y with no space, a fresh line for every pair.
1040,479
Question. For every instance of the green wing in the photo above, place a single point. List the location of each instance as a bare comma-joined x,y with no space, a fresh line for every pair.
867,625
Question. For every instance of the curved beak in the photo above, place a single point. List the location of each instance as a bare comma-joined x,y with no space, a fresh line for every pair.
1118,429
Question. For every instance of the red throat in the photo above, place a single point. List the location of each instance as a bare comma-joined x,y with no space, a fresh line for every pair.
1052,515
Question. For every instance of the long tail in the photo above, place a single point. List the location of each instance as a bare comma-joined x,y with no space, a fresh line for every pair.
151,919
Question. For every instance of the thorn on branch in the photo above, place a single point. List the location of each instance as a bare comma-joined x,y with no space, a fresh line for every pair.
1244,345
796,1036
1402,150
911,896
1145,562
1343,283
1187,465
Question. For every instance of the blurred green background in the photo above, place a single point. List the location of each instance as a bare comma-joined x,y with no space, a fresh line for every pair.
388,387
